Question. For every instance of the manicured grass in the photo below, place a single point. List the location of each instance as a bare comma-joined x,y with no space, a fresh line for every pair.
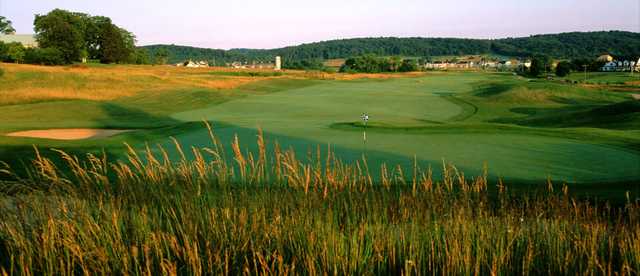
432,104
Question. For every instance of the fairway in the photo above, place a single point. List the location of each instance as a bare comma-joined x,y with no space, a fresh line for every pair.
304,117
394,102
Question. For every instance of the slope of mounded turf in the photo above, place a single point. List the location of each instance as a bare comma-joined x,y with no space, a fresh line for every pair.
623,115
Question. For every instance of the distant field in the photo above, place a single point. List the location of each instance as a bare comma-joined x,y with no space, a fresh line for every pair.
524,131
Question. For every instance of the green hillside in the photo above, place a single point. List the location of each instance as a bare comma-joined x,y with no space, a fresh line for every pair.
564,45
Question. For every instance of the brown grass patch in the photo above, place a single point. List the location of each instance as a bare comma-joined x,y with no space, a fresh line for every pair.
29,83
628,87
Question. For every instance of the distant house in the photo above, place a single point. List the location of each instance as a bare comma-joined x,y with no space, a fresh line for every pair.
621,66
477,62
257,64
27,40
610,66
193,64
489,64
238,65
463,64
505,63
436,65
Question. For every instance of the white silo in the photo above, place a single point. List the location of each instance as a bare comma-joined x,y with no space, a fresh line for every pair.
278,63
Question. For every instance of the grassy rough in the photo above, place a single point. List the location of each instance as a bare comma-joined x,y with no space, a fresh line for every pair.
274,214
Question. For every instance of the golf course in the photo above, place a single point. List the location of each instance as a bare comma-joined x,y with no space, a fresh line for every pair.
298,138
520,130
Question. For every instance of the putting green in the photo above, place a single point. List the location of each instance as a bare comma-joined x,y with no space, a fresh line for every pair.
301,118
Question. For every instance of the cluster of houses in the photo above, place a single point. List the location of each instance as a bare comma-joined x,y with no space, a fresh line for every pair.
612,65
252,65
276,65
477,63
193,64
236,64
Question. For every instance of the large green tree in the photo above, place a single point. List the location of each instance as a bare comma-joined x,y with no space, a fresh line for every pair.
161,56
563,69
394,63
408,65
117,45
142,56
79,35
5,26
539,65
94,27
61,30
15,53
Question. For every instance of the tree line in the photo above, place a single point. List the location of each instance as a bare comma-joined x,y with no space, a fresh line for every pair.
174,54
560,46
375,64
66,37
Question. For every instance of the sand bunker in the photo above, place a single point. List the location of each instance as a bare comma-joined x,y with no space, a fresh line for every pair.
69,134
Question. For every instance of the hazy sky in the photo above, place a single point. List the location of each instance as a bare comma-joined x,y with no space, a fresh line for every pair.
269,24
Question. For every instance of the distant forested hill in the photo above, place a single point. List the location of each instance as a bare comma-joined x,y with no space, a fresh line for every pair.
564,45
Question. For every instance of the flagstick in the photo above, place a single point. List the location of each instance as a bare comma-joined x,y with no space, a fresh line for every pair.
365,119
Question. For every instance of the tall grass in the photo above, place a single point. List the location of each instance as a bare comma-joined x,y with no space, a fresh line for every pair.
257,214
29,83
